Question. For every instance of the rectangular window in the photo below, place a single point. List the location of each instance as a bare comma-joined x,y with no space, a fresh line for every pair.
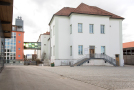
80,50
103,49
51,33
102,29
70,50
91,30
53,30
79,27
53,50
70,29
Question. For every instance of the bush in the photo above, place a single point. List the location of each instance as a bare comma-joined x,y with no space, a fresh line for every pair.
52,64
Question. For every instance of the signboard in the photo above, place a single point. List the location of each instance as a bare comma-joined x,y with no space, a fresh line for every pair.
32,45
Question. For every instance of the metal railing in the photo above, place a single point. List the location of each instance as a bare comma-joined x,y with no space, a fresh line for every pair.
96,56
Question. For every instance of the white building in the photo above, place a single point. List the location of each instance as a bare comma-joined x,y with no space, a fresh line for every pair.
75,32
44,53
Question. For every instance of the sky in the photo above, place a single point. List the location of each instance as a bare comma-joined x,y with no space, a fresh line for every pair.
37,14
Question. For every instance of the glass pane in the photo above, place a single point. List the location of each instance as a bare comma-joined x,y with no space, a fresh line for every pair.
79,27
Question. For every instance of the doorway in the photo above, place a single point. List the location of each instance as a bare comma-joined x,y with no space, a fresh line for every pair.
91,51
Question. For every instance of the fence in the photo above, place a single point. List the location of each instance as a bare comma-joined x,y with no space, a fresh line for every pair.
30,63
67,63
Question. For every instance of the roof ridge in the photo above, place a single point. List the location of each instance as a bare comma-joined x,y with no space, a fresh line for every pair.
68,7
86,9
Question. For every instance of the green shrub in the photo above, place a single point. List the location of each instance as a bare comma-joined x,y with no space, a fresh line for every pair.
52,64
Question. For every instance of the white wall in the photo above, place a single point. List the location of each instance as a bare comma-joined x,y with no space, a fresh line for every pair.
39,51
44,46
52,38
63,39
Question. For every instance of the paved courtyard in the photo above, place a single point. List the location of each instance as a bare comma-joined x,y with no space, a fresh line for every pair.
67,78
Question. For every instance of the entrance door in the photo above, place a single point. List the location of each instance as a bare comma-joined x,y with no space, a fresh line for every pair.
92,51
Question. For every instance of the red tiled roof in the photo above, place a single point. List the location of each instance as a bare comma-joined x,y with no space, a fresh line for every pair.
92,10
65,11
47,33
86,9
128,44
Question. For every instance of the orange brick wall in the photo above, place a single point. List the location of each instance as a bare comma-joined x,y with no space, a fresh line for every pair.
19,45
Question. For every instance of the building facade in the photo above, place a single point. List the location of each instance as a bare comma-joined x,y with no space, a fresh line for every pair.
6,13
44,53
76,32
14,50
128,53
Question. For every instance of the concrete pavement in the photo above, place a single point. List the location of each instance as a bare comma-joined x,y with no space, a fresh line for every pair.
37,78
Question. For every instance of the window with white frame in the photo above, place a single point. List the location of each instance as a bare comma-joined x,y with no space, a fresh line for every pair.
103,49
70,50
51,33
70,29
91,28
80,50
79,27
53,50
102,28
53,30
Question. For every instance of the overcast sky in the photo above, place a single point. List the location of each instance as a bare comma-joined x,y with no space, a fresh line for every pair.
37,14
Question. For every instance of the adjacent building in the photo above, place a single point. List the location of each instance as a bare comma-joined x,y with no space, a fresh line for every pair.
128,53
6,13
14,50
44,53
76,32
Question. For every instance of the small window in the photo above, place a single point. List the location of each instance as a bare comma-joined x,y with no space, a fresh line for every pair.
51,33
18,48
53,30
79,27
103,49
70,50
91,30
80,50
19,34
102,29
70,29
18,55
19,41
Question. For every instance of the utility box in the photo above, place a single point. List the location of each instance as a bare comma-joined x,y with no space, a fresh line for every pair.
117,59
